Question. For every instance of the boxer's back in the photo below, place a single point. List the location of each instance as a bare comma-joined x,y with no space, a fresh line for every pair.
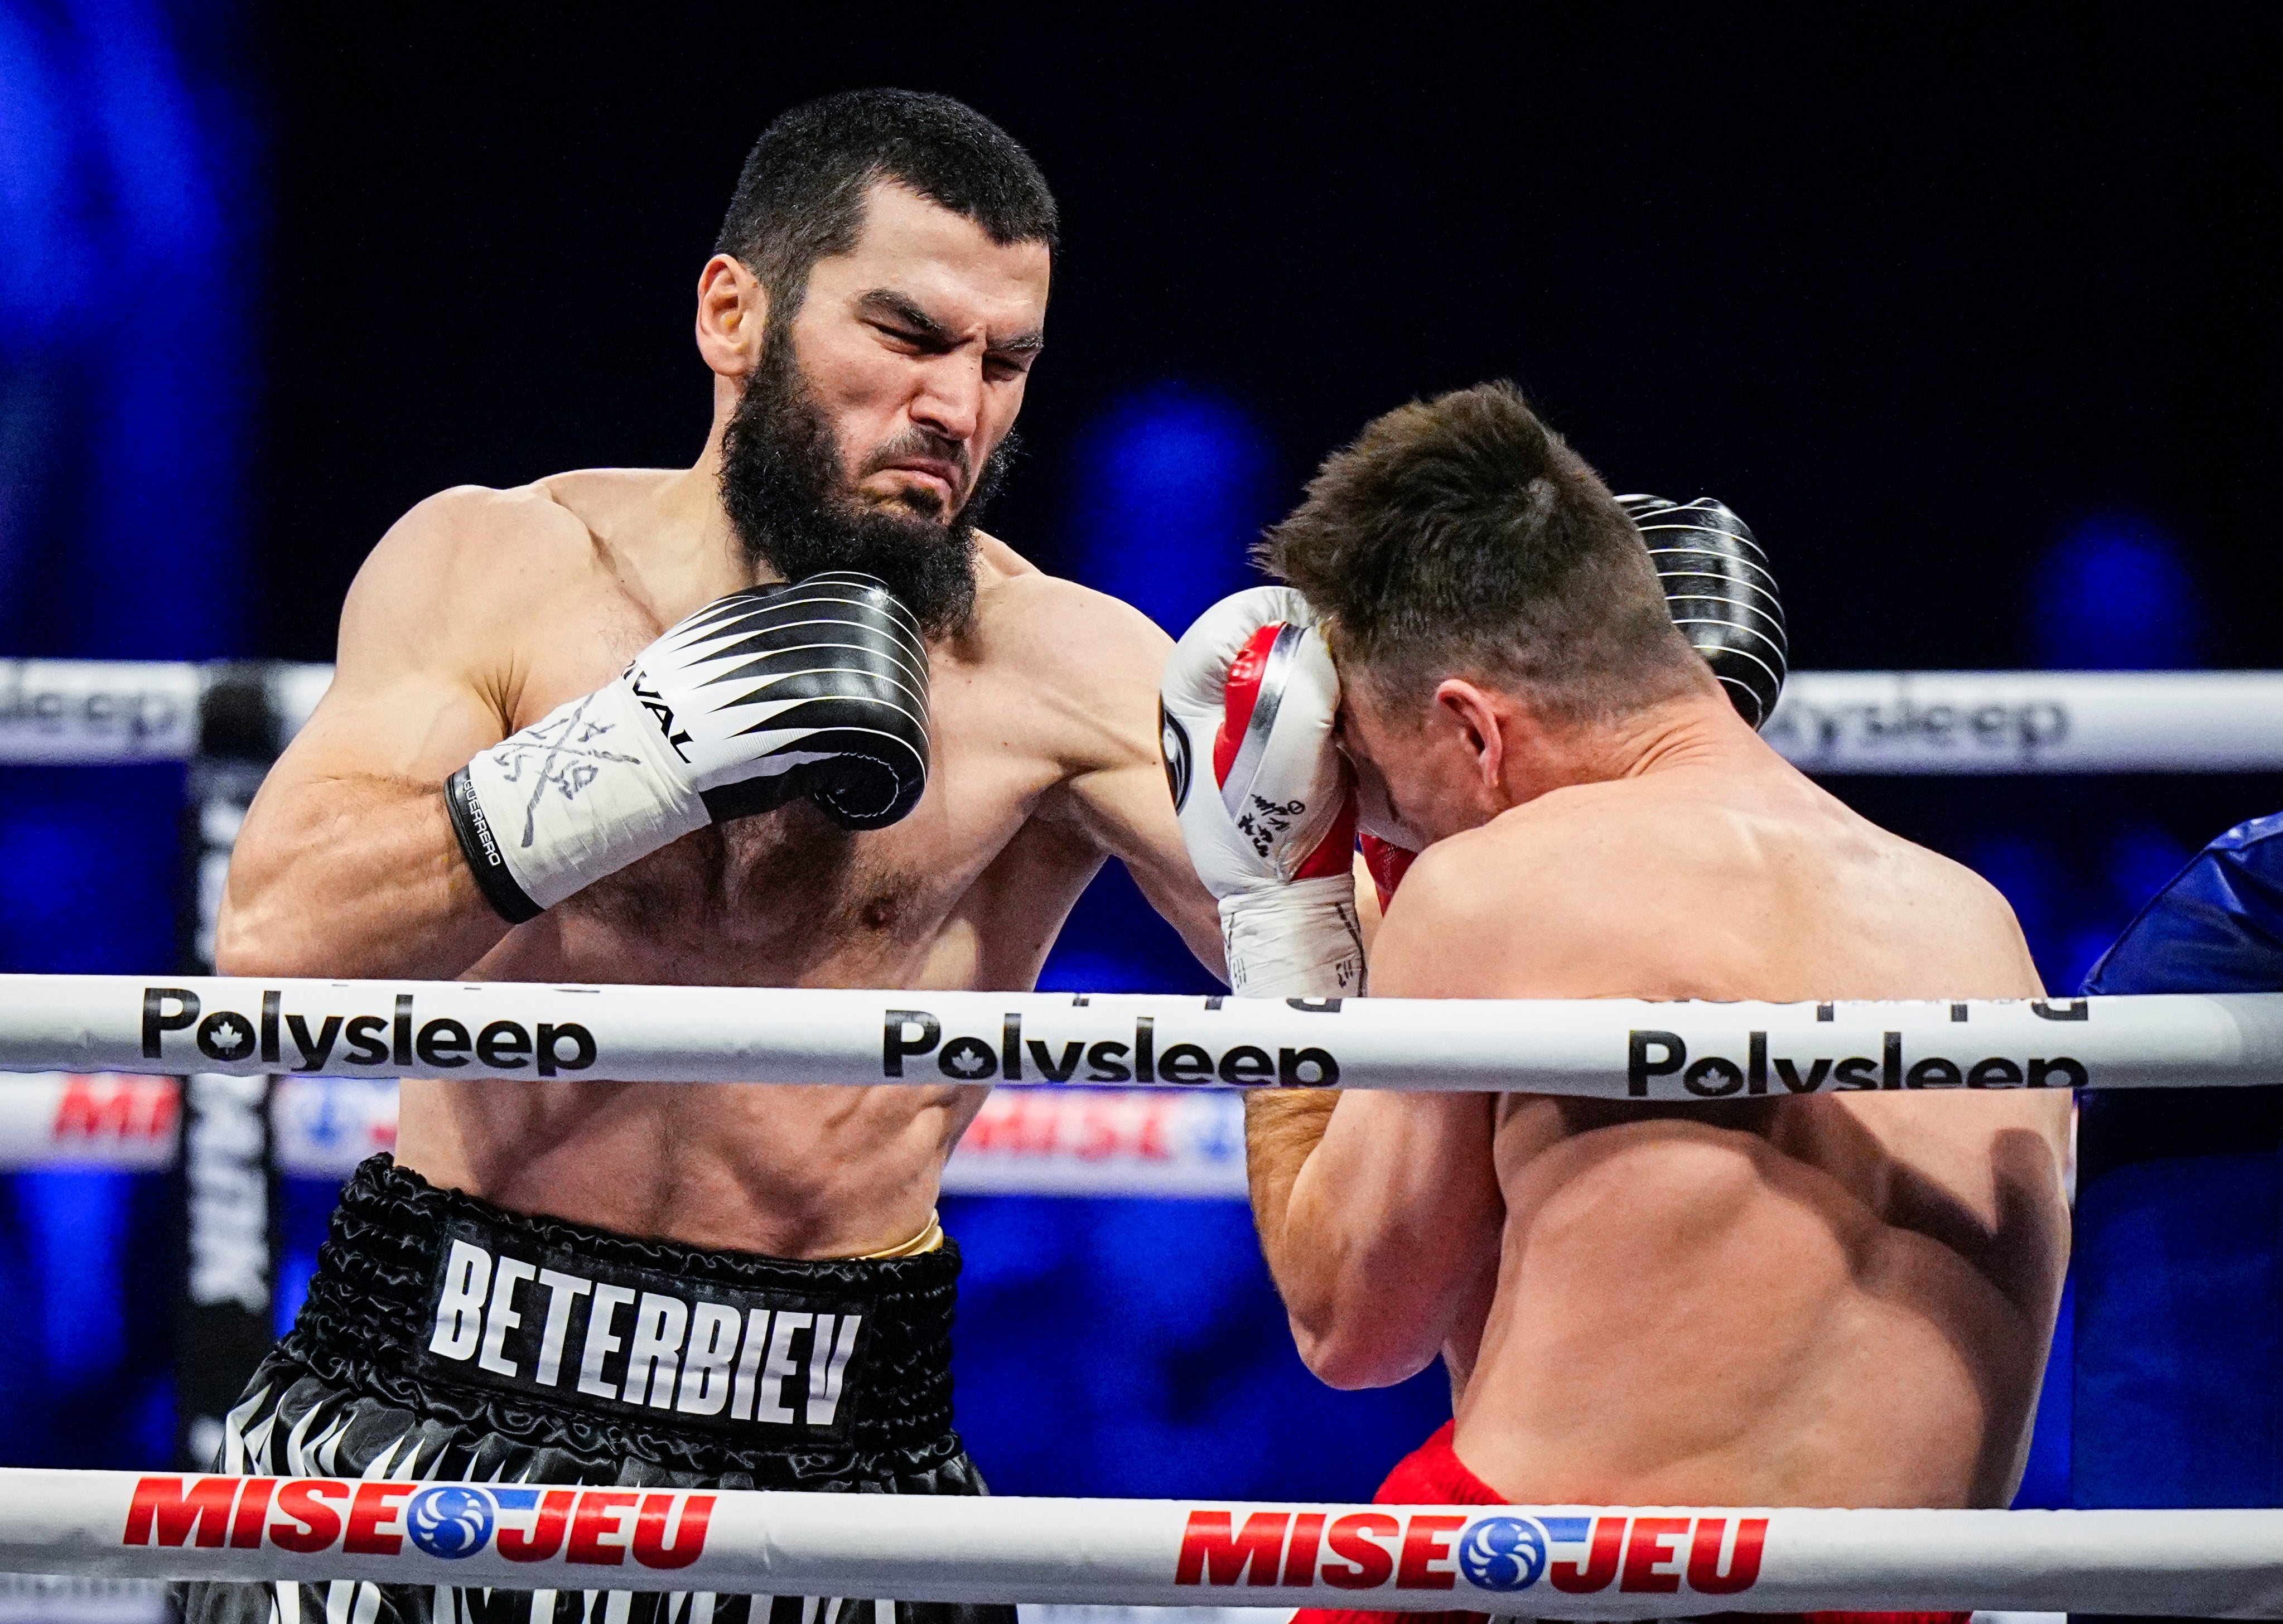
1838,1299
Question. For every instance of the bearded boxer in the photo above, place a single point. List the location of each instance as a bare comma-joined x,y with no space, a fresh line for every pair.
1821,1299
784,718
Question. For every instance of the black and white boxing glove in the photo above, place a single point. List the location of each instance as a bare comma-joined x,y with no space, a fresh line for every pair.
818,689
1722,596
1266,807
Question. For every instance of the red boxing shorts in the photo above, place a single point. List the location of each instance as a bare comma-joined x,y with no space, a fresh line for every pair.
1433,1474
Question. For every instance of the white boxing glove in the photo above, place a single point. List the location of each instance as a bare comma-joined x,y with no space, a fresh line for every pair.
818,689
1266,809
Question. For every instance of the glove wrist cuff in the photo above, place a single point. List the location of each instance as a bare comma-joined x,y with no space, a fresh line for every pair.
578,794
472,825
1301,940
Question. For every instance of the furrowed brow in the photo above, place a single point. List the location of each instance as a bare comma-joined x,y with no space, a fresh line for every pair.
888,304
900,308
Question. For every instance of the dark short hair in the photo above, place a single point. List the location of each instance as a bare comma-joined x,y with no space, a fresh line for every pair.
800,196
1461,537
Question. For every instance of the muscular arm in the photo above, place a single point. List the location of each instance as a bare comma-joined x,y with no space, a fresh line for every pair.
1116,795
1131,817
1378,1212
347,865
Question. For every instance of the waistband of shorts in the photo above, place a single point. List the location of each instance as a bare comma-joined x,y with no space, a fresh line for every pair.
399,1247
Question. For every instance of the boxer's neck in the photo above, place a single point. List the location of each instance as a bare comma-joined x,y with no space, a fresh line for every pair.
1689,730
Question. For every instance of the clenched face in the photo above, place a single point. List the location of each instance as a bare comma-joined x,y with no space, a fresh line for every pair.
1415,782
881,416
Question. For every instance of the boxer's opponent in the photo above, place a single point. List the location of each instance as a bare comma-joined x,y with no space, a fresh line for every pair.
581,732
1822,1298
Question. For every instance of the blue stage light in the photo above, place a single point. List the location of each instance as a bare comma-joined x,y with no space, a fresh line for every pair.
39,273
88,866
1172,487
2045,1475
77,1220
123,443
2116,595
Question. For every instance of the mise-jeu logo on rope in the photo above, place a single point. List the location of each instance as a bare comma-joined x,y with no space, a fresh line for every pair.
590,1527
1501,1551
402,1039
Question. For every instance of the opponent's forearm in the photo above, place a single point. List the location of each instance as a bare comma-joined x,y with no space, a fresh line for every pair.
1281,1128
1319,1262
1373,1222
352,876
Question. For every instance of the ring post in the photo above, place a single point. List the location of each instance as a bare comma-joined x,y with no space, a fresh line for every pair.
226,1177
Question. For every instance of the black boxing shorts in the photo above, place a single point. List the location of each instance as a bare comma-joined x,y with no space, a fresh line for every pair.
444,1338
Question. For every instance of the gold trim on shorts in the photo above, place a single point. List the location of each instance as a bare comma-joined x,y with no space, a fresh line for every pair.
927,1240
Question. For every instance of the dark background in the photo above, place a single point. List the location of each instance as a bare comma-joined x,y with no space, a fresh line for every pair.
1967,316
1916,302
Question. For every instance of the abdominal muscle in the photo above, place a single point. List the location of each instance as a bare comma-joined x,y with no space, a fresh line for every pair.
1687,1314
831,1170
824,1171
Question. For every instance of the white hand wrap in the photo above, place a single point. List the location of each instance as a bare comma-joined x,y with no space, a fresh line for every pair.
573,798
1300,941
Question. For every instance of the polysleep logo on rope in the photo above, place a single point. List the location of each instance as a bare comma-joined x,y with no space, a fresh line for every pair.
911,1034
173,1021
2009,728
1652,1054
1498,1552
589,1528
74,710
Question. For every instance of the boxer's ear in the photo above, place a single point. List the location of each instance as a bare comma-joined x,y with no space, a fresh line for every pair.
1484,729
733,312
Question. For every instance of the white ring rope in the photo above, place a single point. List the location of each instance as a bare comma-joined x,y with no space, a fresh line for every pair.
93,711
2030,721
1612,1048
1580,1562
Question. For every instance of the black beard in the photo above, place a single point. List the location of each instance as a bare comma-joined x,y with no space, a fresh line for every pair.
789,501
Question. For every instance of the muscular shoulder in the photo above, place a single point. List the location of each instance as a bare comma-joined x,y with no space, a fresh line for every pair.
1088,663
1027,616
1677,890
461,558
1497,912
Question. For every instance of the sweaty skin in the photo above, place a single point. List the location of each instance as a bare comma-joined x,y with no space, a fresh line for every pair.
1837,1300
481,610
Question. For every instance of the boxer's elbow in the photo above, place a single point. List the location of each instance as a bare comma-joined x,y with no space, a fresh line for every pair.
269,925
1364,1340
254,940
1362,1298
268,920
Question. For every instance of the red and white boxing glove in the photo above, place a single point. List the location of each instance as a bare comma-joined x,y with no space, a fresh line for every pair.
1265,806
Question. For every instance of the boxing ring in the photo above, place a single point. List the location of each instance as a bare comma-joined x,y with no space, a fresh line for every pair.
1594,1561
101,1053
